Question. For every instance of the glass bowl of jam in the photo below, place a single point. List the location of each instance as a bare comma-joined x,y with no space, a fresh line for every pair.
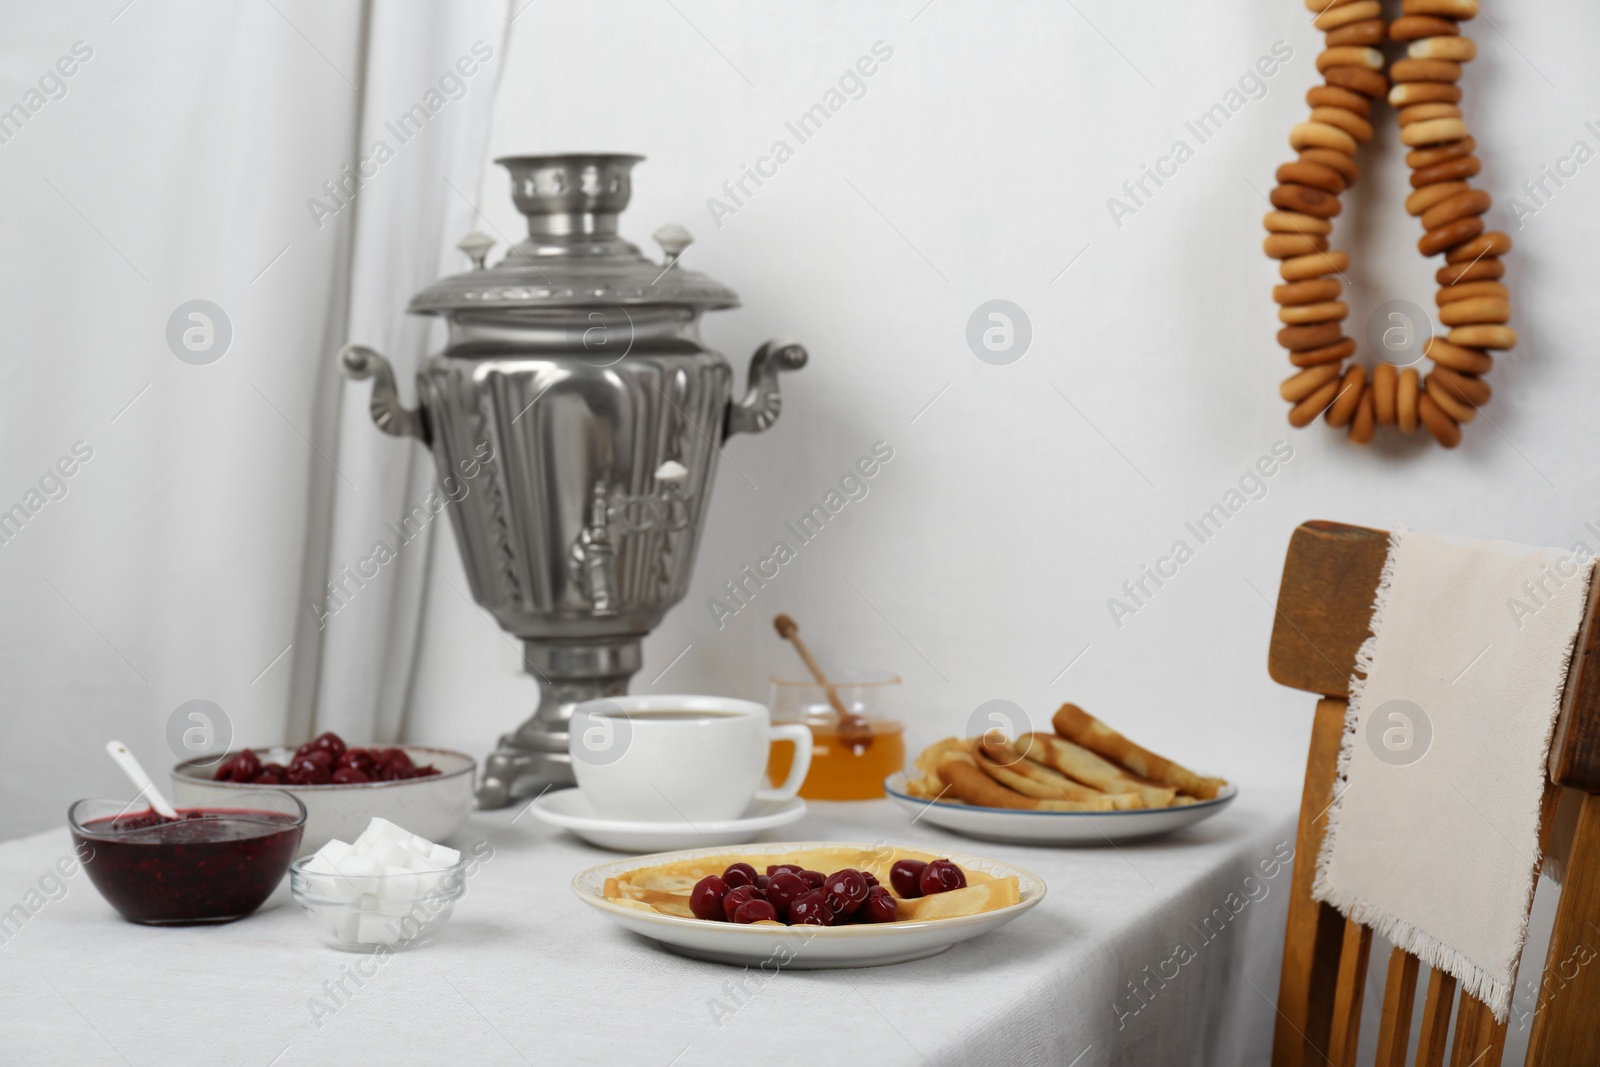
209,865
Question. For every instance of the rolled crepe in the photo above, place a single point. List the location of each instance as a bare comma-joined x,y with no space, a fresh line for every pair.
1077,725
1079,763
968,781
1008,765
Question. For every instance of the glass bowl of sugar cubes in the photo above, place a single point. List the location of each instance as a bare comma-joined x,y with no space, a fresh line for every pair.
388,888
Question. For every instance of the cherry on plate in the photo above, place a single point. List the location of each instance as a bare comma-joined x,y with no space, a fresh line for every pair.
814,879
736,896
880,907
871,878
739,874
941,876
346,776
783,889
846,891
811,909
330,743
754,911
906,877
779,868
705,899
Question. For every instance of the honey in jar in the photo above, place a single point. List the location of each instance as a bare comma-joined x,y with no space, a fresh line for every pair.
841,768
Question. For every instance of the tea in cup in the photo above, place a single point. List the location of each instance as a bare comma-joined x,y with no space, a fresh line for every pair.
679,758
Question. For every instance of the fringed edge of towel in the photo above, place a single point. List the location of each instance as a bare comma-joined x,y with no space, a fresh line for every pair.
1475,981
1352,718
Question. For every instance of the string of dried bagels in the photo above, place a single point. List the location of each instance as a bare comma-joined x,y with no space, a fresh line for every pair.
1472,300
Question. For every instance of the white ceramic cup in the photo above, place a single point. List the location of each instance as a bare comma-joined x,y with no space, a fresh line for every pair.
679,758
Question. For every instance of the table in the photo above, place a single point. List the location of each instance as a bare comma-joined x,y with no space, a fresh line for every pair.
1158,953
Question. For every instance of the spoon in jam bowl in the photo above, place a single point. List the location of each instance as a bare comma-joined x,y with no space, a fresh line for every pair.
136,774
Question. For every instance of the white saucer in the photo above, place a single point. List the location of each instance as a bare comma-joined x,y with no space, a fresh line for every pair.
570,810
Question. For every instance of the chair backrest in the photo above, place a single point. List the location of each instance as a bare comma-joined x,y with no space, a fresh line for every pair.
1324,605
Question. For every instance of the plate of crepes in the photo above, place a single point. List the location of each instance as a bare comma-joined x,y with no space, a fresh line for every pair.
1084,784
811,904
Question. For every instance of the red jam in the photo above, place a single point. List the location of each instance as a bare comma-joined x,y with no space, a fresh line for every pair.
209,865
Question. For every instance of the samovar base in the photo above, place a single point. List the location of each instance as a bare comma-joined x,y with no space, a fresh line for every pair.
534,759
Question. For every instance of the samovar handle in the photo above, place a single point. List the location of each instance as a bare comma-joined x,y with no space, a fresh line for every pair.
762,403
358,362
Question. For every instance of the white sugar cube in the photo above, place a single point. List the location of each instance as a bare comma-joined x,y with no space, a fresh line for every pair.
367,902
379,833
393,857
325,886
356,875
375,928
444,857
420,846
335,850
398,889
338,920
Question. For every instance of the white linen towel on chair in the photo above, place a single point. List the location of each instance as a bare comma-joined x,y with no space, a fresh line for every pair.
1433,837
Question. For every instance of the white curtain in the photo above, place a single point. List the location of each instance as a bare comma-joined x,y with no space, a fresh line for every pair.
178,479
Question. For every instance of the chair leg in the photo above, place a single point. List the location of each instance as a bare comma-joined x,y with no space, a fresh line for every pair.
1566,1025
1315,931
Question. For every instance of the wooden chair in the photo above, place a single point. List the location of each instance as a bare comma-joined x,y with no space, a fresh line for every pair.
1324,605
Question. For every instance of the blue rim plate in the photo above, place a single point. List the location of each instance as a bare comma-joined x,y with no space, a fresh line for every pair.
1055,827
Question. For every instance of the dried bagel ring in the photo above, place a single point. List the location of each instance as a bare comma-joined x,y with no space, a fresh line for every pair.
1407,392
1369,32
1416,27
1343,408
1462,205
1364,424
1337,352
1385,379
1442,426
1423,199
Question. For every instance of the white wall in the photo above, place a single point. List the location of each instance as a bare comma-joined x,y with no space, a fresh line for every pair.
977,166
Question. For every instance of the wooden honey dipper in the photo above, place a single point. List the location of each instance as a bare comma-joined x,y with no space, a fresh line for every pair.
853,730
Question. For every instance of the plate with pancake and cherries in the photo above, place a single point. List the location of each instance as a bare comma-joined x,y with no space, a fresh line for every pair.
1083,784
809,905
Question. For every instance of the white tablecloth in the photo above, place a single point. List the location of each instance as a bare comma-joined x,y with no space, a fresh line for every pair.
526,974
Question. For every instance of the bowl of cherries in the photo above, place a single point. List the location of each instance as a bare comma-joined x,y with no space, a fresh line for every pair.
790,895
427,790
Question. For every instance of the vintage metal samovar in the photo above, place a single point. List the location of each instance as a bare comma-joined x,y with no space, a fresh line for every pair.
576,389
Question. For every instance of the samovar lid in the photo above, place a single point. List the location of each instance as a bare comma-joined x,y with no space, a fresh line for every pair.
573,255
